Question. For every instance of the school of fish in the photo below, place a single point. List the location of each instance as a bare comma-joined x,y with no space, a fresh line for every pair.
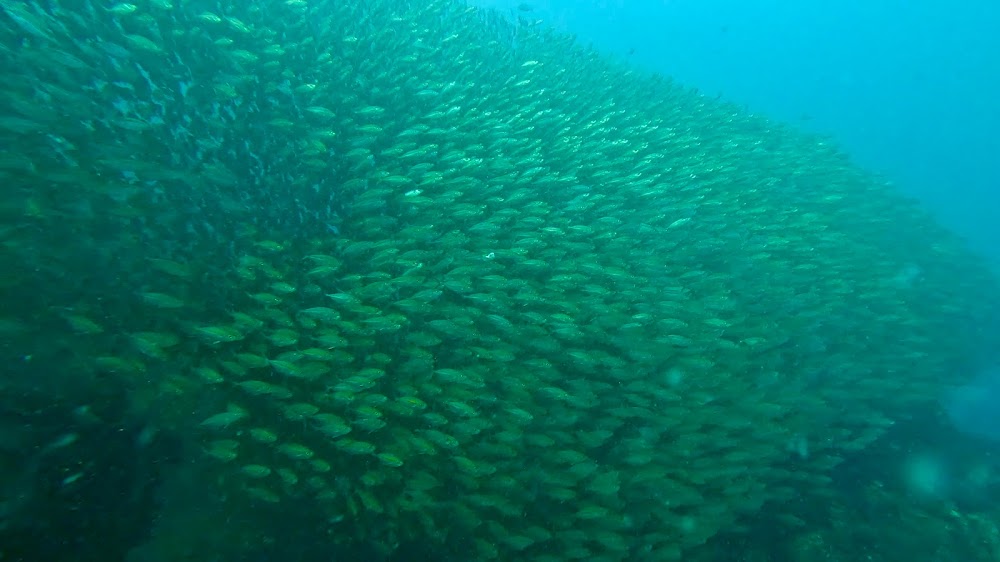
451,277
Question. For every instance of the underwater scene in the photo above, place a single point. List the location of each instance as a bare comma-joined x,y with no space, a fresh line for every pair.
394,280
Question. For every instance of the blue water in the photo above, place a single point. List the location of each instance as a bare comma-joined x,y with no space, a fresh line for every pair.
975,408
908,87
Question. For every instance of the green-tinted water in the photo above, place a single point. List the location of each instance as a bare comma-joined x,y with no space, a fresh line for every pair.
408,273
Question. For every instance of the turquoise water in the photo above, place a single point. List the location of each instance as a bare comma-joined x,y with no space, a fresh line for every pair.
421,281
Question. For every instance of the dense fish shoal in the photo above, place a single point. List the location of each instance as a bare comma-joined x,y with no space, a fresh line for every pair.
438,275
